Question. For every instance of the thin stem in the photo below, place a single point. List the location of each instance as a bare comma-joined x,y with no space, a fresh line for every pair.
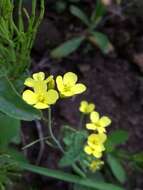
34,142
51,131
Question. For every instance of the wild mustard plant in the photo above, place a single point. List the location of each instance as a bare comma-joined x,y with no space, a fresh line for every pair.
96,165
41,97
95,145
98,124
68,86
86,107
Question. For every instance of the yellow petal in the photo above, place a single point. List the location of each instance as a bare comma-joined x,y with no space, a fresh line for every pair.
59,82
97,154
51,97
91,126
49,78
101,129
91,107
104,121
102,137
30,97
78,88
92,137
94,116
41,105
39,76
70,78
83,106
67,93
29,82
40,86
88,150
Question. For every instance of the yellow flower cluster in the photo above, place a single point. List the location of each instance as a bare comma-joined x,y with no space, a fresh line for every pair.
44,92
86,107
96,165
95,141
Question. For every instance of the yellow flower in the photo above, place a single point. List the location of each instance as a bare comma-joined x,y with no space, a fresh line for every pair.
40,99
97,123
67,85
38,82
96,165
86,107
43,94
95,145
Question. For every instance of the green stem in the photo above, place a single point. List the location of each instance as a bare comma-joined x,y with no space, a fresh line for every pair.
51,131
34,142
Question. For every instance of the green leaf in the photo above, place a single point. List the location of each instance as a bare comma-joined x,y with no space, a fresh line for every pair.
117,168
101,40
116,138
79,14
138,159
13,105
74,150
69,177
9,128
15,155
98,13
67,48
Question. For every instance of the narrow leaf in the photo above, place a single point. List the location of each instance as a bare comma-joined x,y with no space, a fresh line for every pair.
67,48
116,168
101,40
69,177
79,14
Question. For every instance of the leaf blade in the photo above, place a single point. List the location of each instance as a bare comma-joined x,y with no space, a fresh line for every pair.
67,47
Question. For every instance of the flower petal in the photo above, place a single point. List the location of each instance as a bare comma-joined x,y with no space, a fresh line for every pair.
39,76
94,116
70,78
59,82
105,121
41,105
29,82
78,88
83,106
88,150
91,107
91,126
30,97
51,97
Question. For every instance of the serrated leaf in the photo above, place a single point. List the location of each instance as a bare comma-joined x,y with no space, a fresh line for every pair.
13,105
67,48
101,40
79,14
116,168
9,128
74,150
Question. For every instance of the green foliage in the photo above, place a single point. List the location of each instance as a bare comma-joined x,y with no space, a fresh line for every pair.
9,170
90,34
70,178
12,104
16,41
116,168
74,148
68,47
101,40
9,128
116,138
